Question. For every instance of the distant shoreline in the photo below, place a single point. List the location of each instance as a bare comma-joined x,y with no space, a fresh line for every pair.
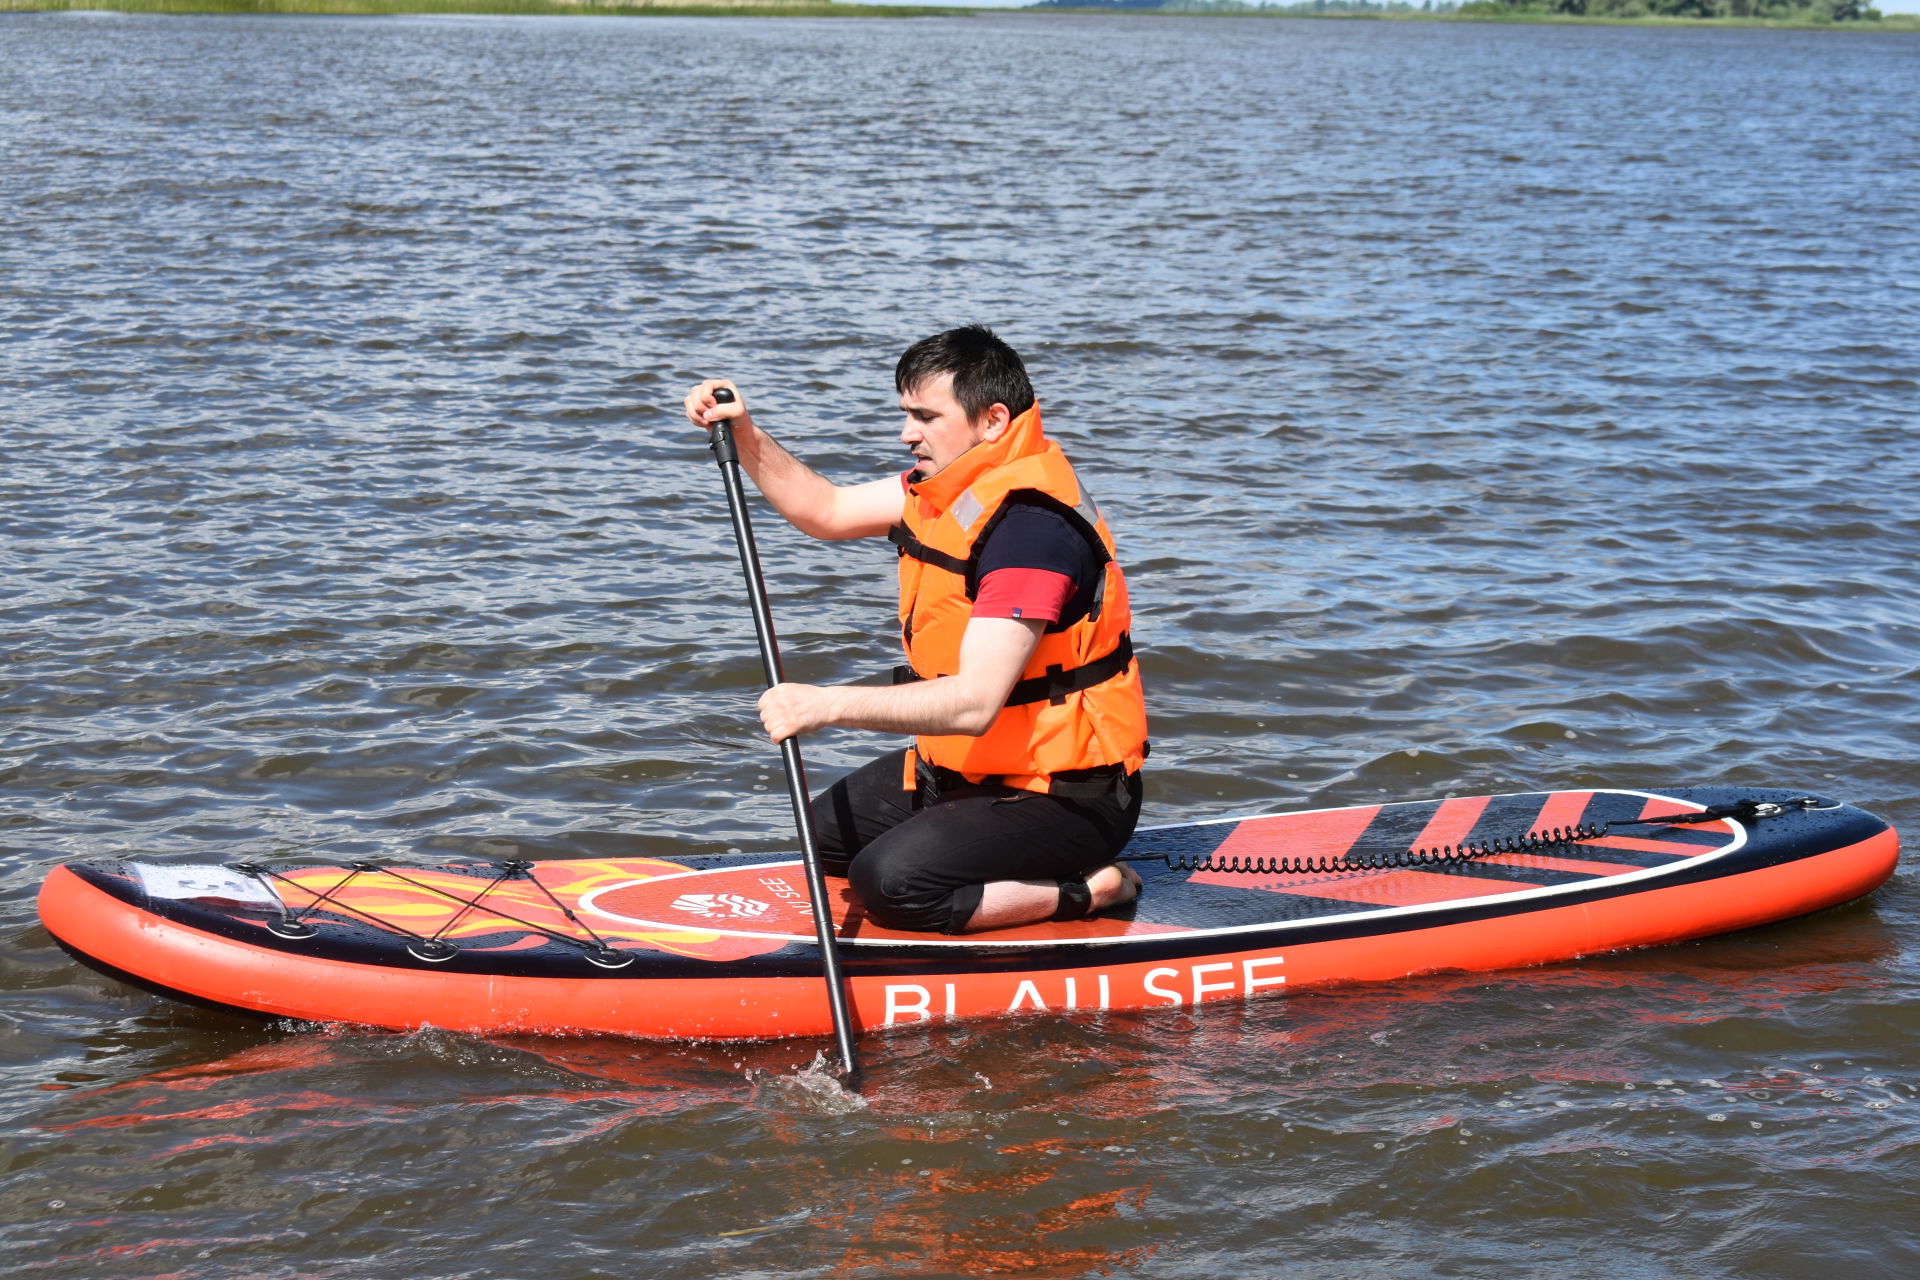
1887,22
1898,22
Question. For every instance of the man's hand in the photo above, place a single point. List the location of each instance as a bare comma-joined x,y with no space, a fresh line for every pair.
788,710
703,410
992,653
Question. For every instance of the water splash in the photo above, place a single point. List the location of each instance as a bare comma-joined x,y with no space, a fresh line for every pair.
814,1088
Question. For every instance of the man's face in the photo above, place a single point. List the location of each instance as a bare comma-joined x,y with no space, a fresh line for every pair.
937,429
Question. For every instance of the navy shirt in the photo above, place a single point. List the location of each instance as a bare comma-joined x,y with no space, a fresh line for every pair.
1037,566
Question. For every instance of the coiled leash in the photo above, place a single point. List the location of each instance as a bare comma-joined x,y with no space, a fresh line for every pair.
1393,858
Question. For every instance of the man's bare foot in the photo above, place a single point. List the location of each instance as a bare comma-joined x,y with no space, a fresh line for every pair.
1005,904
1113,885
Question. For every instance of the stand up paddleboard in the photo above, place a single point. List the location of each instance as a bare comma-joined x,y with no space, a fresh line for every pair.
714,947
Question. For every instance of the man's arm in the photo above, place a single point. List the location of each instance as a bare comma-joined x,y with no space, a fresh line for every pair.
808,500
993,652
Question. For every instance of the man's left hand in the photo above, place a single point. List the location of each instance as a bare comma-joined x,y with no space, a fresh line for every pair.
788,710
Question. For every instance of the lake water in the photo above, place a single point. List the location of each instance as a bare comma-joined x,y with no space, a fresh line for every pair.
1478,408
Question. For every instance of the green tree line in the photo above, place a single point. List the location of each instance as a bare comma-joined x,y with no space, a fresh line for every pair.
1798,11
1784,10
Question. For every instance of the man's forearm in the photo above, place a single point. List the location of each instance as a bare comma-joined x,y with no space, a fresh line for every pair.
993,652
948,705
799,493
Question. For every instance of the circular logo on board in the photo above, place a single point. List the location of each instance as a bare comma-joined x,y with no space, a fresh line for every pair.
748,900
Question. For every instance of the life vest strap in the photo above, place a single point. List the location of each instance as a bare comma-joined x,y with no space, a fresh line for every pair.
1058,682
1091,784
909,545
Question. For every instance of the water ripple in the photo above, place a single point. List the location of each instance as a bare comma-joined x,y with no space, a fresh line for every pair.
1478,408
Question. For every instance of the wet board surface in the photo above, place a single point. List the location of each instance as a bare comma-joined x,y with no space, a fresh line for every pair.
724,947
725,910
769,900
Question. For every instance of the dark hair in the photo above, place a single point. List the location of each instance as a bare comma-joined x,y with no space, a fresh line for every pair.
986,371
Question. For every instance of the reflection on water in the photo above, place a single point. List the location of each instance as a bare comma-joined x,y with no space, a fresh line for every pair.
1107,1145
1477,408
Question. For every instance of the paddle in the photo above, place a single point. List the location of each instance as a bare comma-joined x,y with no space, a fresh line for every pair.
728,457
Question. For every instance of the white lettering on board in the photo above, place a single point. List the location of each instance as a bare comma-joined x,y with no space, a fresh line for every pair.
1171,997
1201,987
1190,984
1251,981
917,1005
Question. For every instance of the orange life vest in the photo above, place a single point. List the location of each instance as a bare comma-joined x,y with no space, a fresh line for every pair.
1078,704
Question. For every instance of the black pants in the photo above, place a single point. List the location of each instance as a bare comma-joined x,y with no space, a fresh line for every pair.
917,858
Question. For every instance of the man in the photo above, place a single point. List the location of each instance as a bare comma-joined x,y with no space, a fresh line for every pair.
1021,692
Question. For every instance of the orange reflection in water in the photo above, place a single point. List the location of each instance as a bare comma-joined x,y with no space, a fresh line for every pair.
934,1170
957,1223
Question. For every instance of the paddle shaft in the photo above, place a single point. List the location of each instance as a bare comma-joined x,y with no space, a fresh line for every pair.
728,457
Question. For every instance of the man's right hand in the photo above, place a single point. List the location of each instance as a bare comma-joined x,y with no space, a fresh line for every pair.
703,410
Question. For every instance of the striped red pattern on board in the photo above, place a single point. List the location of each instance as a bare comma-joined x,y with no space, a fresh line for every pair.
1549,862
1294,835
1563,811
1399,888
1632,844
1657,805
1452,823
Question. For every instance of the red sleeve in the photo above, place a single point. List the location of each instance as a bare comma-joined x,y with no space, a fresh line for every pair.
1036,595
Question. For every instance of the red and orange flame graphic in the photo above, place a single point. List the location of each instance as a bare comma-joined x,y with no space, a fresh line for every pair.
461,907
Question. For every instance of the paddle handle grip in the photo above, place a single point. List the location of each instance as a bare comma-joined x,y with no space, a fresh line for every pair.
720,433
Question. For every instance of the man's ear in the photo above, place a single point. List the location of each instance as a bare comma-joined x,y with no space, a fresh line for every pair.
994,422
